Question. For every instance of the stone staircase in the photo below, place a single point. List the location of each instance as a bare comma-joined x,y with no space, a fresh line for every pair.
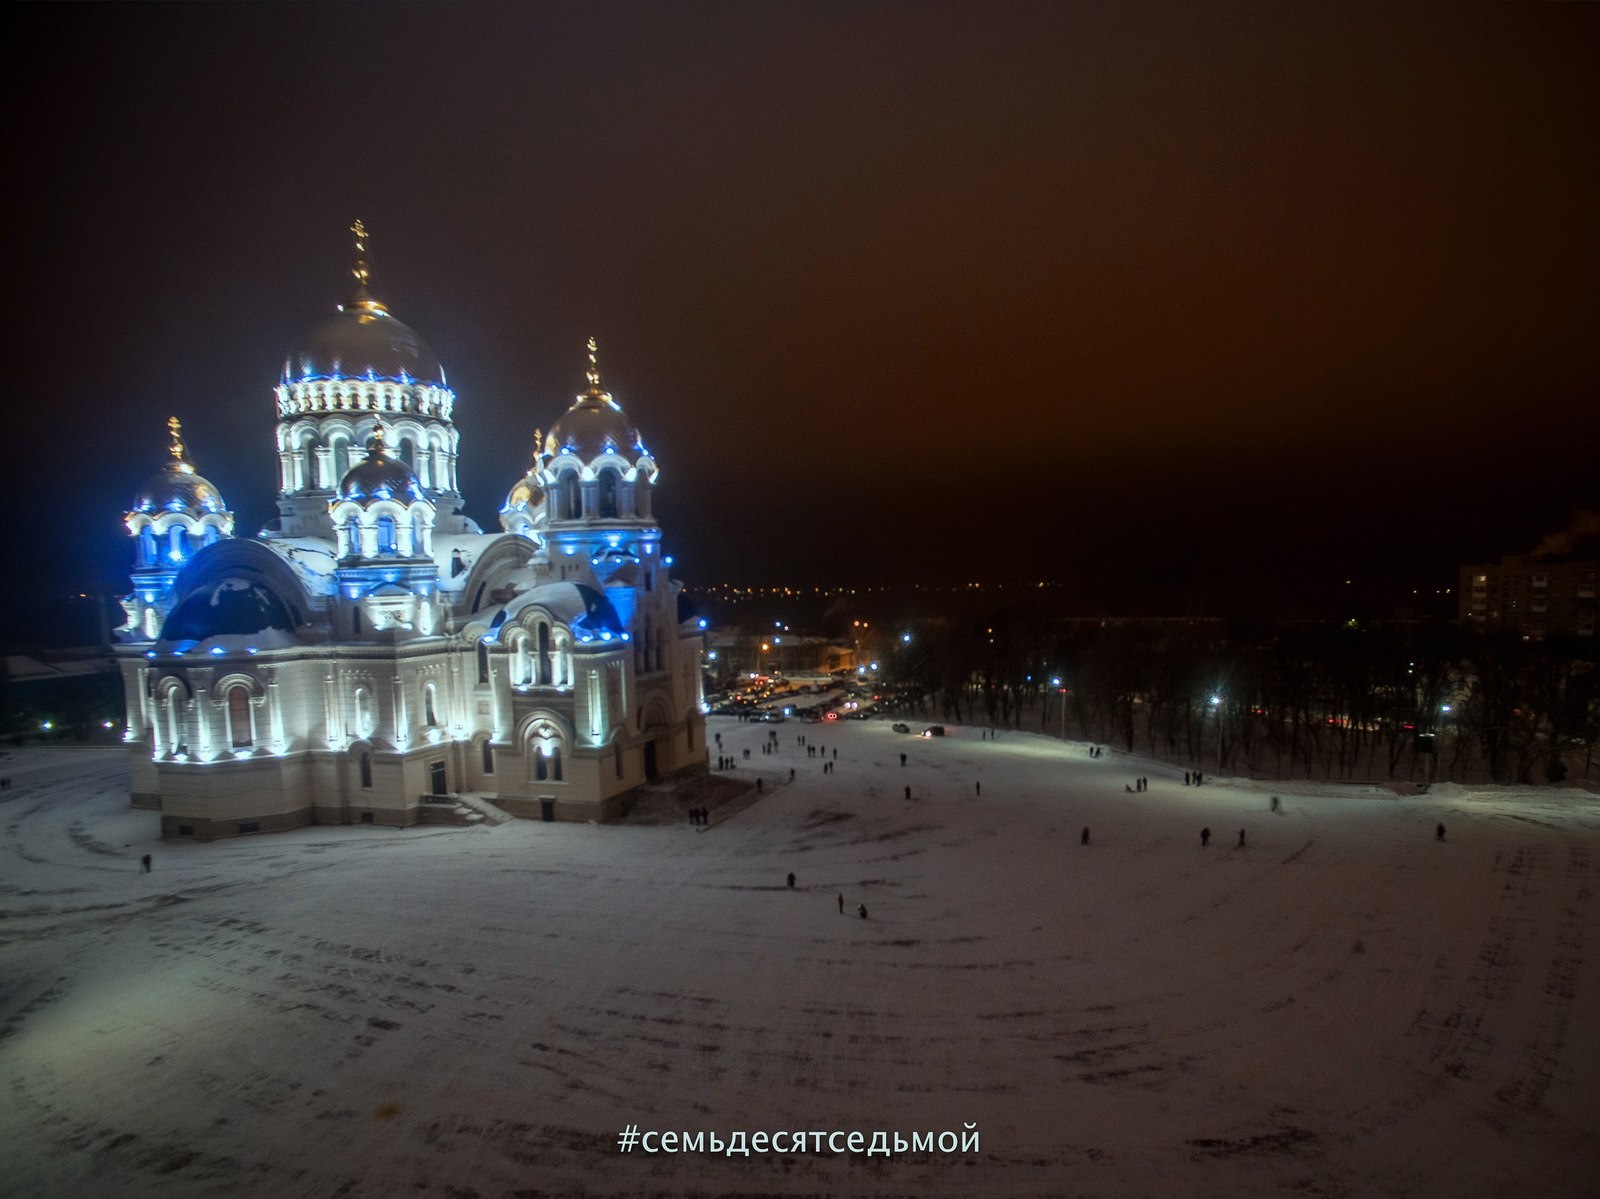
462,810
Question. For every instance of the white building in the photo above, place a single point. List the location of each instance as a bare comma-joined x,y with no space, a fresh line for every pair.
373,648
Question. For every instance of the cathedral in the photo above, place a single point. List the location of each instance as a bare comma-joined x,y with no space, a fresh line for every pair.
373,656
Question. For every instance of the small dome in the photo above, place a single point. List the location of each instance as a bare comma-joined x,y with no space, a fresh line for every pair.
594,425
177,486
362,341
379,477
525,494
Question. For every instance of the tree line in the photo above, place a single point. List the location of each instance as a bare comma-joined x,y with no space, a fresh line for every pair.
1419,702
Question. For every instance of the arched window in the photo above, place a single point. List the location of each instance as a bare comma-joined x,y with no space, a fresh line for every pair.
340,445
150,623
429,713
608,492
363,712
366,772
555,763
239,717
175,543
483,660
352,532
147,546
544,655
571,495
174,727
211,535
541,765
386,541
521,669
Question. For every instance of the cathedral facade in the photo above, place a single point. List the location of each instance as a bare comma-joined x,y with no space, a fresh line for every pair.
372,656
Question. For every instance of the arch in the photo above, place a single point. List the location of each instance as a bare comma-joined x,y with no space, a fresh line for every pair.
543,659
365,713
655,712
609,483
570,490
430,705
241,717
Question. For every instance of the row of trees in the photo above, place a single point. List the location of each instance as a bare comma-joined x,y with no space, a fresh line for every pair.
1353,702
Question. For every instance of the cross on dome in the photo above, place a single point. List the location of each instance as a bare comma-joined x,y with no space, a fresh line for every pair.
176,447
593,373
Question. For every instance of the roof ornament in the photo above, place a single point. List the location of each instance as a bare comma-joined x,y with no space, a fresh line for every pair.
538,444
593,373
176,448
377,446
362,271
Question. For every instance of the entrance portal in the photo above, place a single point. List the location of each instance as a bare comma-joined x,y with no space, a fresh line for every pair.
437,783
650,760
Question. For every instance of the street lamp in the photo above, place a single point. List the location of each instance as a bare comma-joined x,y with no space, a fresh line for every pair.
1055,681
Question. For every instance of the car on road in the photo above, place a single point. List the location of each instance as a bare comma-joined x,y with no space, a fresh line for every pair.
933,730
901,727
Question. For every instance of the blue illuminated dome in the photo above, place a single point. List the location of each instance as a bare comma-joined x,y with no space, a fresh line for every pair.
379,477
594,425
177,486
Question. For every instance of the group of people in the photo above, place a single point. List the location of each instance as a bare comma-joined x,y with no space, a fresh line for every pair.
700,816
1205,838
1188,774
1139,784
861,908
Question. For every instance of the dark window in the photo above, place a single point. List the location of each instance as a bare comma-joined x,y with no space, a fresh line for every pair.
437,779
366,818
483,661
555,763
186,830
608,493
488,758
541,766
366,772
544,655
250,826
239,716
618,755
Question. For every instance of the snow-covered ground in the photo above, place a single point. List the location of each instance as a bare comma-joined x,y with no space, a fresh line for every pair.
1344,1007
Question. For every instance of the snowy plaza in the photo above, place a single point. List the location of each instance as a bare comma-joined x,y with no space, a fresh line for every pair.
1344,1006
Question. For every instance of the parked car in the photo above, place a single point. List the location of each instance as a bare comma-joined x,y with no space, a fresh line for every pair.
933,730
901,727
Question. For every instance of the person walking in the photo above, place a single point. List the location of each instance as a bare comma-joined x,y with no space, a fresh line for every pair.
145,861
1205,837
861,909
1438,834
908,791
1085,839
902,759
791,880
978,789
841,903
1274,803
1241,838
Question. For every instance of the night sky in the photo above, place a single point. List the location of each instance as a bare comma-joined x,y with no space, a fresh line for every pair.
1161,301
